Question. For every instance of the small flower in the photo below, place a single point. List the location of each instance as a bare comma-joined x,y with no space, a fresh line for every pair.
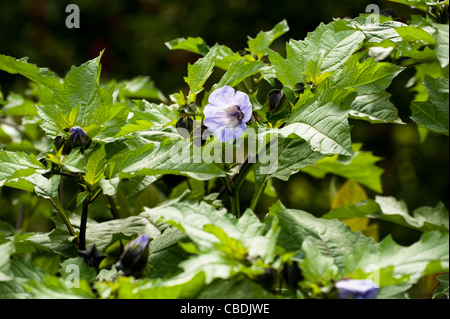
227,113
134,258
357,289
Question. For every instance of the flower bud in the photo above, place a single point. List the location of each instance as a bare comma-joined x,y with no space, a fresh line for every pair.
79,138
134,258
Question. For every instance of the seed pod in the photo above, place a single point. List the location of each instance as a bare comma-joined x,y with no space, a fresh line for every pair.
200,135
185,123
269,278
274,99
292,274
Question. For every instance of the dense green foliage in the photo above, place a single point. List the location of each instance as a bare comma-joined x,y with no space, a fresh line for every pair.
132,172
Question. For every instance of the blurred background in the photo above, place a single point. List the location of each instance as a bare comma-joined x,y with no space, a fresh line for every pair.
134,32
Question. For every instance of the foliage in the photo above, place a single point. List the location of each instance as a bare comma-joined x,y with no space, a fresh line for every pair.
202,242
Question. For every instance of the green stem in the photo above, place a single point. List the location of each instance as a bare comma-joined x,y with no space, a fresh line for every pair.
113,207
237,203
256,196
65,219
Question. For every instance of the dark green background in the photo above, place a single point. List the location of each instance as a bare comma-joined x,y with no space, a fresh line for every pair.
134,32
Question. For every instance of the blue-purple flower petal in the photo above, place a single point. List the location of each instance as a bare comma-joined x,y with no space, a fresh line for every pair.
227,113
357,289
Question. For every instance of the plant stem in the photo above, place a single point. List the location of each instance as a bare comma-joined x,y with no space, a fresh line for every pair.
65,219
112,206
256,196
83,224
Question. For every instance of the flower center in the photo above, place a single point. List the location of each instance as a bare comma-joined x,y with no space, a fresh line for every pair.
235,115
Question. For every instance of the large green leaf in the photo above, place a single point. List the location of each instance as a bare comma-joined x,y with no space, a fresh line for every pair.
388,263
375,108
239,71
83,102
332,237
322,122
39,75
106,233
442,43
180,157
419,4
200,71
16,165
191,44
367,76
389,209
258,46
335,47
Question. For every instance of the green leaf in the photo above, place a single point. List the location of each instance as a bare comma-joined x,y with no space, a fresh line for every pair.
52,287
84,272
16,165
140,87
106,233
287,159
83,102
200,71
322,122
179,157
173,288
434,113
375,108
224,243
389,263
22,270
442,289
195,45
316,267
95,166
39,75
389,209
332,237
6,250
149,115
335,46
367,76
239,71
442,43
259,45
238,287
419,4
17,105
360,167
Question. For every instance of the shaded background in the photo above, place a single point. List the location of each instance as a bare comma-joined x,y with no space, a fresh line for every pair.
134,32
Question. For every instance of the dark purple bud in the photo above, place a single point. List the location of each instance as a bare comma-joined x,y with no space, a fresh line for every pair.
79,138
357,289
134,257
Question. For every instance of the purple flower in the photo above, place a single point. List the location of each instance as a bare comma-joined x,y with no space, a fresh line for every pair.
227,113
357,289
